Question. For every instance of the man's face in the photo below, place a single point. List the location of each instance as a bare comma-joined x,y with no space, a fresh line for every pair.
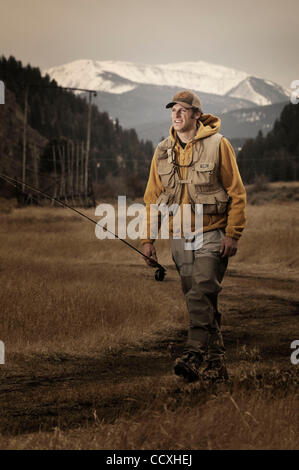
182,119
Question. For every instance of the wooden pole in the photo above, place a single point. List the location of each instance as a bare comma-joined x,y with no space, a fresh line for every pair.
87,145
77,169
35,166
72,152
68,156
82,167
25,139
62,173
55,173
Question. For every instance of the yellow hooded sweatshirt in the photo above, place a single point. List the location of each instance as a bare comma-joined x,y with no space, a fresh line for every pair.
234,220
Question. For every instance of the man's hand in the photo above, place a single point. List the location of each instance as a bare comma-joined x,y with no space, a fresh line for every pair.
149,250
229,247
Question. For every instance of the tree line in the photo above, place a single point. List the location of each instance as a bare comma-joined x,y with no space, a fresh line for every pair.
276,155
61,117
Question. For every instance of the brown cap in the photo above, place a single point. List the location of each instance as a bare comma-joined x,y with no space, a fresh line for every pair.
186,98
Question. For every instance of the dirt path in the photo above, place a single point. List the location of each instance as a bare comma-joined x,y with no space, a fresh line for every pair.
260,322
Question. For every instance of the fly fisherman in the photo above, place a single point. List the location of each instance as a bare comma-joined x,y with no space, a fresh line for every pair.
196,164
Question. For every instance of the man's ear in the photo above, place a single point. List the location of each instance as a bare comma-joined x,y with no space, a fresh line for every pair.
197,115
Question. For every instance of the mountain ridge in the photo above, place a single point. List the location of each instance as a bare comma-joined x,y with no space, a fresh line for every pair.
119,77
136,94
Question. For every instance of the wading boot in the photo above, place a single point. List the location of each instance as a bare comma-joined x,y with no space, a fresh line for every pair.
215,371
188,366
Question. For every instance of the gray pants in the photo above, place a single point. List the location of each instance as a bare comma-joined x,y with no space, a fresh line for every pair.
201,273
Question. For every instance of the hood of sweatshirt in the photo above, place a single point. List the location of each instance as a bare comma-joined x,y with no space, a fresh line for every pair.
208,125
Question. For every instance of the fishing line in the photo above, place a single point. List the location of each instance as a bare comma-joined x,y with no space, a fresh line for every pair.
159,273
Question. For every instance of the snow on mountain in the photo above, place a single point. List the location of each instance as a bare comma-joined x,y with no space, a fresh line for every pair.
245,88
90,74
202,76
119,77
259,91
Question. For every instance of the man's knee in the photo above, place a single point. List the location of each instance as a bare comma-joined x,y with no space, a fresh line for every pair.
208,272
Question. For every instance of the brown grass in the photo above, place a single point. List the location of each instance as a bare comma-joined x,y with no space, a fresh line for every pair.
58,279
263,192
270,239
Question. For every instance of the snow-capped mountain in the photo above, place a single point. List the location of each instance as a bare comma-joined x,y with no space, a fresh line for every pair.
120,77
136,94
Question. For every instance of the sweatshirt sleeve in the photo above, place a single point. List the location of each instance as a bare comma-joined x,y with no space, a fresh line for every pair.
153,190
232,183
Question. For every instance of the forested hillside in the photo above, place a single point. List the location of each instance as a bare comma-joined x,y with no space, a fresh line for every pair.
59,119
276,155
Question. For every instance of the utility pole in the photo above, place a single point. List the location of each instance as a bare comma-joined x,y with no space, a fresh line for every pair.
55,173
61,151
35,154
87,144
25,139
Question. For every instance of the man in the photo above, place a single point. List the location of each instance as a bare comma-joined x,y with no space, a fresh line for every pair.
197,165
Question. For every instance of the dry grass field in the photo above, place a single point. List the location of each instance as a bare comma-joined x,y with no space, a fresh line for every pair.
90,339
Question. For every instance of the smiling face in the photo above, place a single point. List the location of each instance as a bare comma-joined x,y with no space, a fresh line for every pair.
183,119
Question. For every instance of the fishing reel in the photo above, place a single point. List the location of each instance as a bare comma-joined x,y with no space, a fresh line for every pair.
160,274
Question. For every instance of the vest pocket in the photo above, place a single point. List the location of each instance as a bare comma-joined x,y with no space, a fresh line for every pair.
213,204
166,173
222,200
202,173
208,202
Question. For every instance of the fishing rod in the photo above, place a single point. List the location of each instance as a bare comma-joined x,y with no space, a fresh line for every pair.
160,271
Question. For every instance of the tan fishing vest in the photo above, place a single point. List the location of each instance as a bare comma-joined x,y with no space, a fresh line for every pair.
202,179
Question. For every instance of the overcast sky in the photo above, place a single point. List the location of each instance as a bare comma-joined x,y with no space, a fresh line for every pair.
258,36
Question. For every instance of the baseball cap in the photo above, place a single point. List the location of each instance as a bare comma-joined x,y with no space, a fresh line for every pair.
185,98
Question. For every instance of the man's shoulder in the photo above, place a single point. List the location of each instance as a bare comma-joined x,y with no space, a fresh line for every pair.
164,144
225,143
216,137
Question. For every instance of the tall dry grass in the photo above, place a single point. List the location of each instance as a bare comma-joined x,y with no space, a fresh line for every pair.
224,422
270,239
63,289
